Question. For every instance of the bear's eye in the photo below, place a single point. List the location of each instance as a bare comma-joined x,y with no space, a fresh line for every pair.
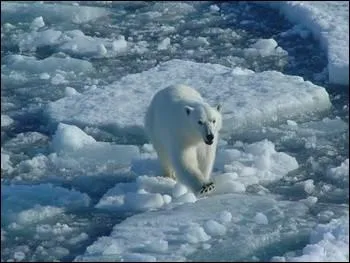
200,122
214,121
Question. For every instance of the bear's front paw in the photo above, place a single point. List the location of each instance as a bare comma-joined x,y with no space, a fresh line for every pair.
207,188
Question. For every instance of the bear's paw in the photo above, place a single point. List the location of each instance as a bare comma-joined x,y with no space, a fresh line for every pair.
207,188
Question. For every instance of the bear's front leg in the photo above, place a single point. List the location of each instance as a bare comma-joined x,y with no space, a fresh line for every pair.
188,173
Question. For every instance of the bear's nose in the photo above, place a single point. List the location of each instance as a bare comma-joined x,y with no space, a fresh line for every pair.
210,137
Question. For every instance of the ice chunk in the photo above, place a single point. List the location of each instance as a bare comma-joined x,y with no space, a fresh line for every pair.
6,120
285,97
214,228
265,47
146,193
144,201
70,138
160,246
179,190
164,44
44,76
195,234
187,198
261,219
47,65
37,23
120,45
6,164
309,186
310,200
32,40
341,173
214,8
38,213
58,79
257,163
69,91
76,150
292,123
19,256
329,23
225,217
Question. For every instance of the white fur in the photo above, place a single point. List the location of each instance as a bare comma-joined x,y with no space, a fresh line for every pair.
172,126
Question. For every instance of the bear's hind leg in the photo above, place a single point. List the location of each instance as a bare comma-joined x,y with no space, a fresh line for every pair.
167,170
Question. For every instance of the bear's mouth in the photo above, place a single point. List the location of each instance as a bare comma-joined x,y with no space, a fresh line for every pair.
208,142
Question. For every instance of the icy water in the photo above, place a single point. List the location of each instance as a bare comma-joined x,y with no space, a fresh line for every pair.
190,27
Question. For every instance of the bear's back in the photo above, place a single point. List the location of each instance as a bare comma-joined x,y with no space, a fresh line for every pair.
178,93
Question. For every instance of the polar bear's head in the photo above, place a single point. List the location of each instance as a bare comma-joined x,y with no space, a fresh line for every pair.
205,121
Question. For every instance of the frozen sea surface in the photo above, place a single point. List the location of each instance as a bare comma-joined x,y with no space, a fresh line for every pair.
79,180
328,22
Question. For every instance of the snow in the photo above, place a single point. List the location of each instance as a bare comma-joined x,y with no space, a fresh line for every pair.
185,228
284,97
329,23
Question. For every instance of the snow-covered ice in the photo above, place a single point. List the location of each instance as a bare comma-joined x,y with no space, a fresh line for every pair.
328,242
257,163
51,12
47,65
191,225
240,92
74,149
329,23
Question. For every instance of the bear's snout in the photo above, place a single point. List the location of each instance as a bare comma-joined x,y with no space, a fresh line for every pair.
209,139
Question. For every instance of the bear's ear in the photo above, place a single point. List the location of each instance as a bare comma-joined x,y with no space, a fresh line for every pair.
188,109
219,107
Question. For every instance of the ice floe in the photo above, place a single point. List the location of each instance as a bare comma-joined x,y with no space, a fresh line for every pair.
239,90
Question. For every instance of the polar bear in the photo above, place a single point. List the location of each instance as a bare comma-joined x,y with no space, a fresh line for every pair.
184,131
